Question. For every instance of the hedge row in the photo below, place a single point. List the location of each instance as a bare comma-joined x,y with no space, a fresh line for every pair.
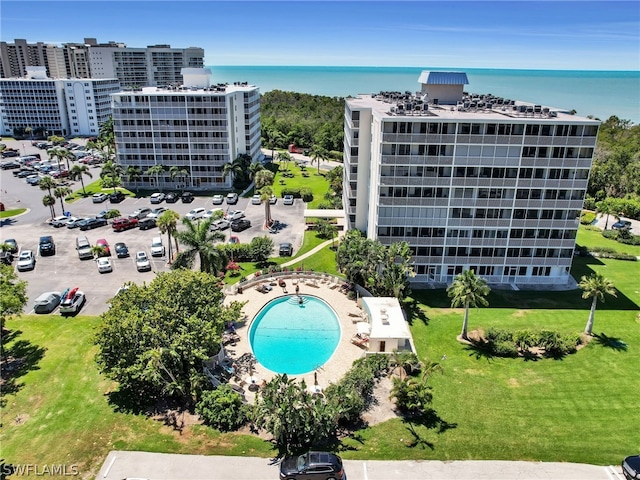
305,193
506,343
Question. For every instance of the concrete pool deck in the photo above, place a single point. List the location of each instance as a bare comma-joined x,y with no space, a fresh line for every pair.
347,311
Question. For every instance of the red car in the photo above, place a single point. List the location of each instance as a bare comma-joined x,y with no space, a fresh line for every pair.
120,224
106,251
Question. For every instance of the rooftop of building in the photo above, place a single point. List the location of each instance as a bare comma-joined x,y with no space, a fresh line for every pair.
468,106
219,88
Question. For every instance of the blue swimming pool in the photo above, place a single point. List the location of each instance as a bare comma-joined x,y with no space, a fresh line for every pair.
294,338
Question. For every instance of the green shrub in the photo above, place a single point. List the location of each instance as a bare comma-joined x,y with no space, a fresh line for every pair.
525,339
505,349
496,335
307,194
222,408
291,191
336,155
587,218
610,234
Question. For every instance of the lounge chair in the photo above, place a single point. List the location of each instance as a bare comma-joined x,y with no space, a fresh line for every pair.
360,341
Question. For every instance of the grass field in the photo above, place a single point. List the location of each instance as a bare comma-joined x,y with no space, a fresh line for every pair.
594,238
12,213
581,408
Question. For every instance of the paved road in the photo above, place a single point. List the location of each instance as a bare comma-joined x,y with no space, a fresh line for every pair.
159,466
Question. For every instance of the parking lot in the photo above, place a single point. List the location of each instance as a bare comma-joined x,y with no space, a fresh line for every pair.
65,269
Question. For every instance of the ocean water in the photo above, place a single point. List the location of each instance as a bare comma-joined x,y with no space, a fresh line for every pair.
600,94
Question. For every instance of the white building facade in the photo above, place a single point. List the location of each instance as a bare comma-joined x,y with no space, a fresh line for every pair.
197,128
468,181
54,106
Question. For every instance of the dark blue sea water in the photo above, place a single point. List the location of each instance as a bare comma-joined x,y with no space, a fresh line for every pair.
597,93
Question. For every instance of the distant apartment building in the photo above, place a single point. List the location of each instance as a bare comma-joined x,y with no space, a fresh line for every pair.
133,67
49,106
196,127
469,181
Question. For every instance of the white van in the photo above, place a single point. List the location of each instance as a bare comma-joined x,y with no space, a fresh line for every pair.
83,247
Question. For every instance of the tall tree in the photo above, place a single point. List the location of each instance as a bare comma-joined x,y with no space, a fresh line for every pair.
60,154
595,286
285,158
273,138
319,154
61,192
263,182
133,173
254,168
47,183
234,170
78,172
111,175
168,223
607,207
50,201
468,290
13,295
156,170
179,172
198,238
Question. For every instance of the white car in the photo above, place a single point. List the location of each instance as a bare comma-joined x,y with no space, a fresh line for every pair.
218,199
104,265
256,200
287,200
26,260
142,262
211,213
221,224
234,215
195,214
232,198
273,199
58,222
156,197
72,303
74,222
157,248
99,197
156,212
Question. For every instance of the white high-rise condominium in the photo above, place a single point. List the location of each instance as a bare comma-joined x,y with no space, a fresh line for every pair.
197,128
468,181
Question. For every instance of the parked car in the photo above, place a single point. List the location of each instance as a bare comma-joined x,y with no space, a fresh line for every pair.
47,302
60,221
157,197
287,200
104,265
72,303
25,173
195,214
220,224
156,212
104,245
91,223
240,225
120,224
147,223
621,225
232,215
140,213
33,179
12,245
116,197
233,240
187,197
211,213
232,198
108,213
142,262
273,199
46,245
6,258
256,200
286,249
157,248
74,222
10,165
312,466
171,197
631,467
218,199
26,261
99,197
121,250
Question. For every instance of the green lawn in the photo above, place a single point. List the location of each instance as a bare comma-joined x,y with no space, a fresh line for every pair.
317,183
594,238
91,188
12,213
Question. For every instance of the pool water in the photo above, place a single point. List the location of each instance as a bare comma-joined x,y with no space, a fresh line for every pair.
293,338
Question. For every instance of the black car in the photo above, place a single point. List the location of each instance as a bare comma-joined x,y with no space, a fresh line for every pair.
622,225
186,197
147,223
91,223
631,467
171,197
240,225
116,197
312,466
10,165
121,250
13,245
286,249
47,246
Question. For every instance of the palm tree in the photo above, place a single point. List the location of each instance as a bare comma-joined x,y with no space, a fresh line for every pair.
156,170
606,207
468,290
199,240
285,158
50,201
263,181
254,168
272,137
595,286
233,169
78,172
317,154
111,175
167,223
61,154
179,172
61,192
47,183
133,173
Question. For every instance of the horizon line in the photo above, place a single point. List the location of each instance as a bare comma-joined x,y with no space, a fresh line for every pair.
429,68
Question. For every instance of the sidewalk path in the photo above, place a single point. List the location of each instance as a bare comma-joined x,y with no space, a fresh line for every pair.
310,252
162,466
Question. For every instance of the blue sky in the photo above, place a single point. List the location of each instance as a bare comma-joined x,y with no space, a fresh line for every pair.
574,35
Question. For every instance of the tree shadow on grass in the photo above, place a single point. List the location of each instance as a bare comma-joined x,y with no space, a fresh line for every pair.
411,306
17,359
429,419
613,343
128,401
480,349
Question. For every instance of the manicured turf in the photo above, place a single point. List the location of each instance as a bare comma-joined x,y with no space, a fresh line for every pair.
12,213
594,238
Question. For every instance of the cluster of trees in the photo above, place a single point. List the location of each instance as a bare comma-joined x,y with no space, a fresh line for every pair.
303,119
382,270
